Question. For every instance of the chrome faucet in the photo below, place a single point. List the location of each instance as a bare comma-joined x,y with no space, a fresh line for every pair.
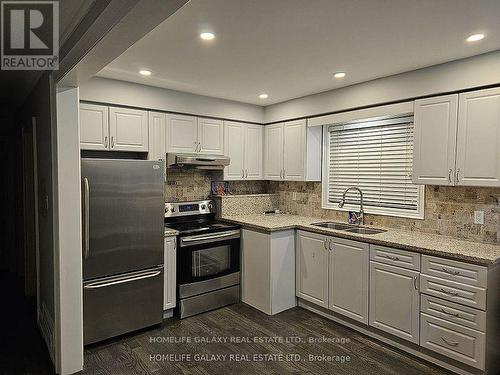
360,219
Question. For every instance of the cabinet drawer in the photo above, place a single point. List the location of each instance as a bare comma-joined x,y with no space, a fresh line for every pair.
454,341
395,257
453,270
453,312
454,292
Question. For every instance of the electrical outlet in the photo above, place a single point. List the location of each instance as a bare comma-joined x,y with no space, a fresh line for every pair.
294,196
479,217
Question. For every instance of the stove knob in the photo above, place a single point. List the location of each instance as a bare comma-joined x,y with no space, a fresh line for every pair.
203,207
173,209
210,206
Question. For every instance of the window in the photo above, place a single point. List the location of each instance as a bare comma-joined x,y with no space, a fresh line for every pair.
375,155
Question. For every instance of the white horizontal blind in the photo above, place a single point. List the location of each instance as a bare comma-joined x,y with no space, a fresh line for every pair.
377,157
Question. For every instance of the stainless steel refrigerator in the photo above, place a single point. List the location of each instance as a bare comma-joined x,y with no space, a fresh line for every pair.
123,214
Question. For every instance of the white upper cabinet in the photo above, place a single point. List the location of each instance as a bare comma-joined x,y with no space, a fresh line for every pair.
94,129
210,136
478,140
348,278
254,135
234,147
182,133
128,129
457,139
191,134
435,140
292,152
273,152
156,136
243,145
294,144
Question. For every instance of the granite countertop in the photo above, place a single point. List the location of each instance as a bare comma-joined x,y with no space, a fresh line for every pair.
169,232
474,252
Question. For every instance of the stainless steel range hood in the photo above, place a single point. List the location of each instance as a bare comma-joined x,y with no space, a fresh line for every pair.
198,161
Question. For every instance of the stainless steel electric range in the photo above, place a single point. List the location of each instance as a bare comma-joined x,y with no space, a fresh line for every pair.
208,258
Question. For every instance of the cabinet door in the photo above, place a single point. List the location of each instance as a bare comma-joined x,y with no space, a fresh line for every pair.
210,136
253,152
128,129
349,281
394,301
435,140
94,129
234,147
273,152
156,126
294,150
256,270
169,273
478,140
182,133
312,268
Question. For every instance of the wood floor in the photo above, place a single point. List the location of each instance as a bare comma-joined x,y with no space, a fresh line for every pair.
151,352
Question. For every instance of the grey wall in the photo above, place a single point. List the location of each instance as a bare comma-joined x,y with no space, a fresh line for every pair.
454,76
133,94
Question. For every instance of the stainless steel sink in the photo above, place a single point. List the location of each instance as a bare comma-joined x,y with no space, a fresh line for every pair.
361,230
349,228
337,226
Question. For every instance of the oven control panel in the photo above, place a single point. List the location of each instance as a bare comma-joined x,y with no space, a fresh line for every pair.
188,208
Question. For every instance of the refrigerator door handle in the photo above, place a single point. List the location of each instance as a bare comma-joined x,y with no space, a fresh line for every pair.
86,215
122,280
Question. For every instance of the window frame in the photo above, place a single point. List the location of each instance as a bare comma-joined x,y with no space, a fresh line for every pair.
385,211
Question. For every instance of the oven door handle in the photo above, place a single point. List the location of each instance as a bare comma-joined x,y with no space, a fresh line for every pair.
200,239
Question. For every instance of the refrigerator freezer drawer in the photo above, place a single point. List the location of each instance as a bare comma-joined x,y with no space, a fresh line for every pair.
116,305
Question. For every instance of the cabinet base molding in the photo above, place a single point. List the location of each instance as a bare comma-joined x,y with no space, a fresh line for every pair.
168,313
403,345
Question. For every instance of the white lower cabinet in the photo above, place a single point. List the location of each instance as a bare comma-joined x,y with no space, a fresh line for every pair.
348,295
452,340
312,268
394,300
169,272
268,270
445,306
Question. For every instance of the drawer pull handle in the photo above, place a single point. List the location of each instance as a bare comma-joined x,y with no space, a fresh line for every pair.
454,273
456,315
392,258
454,294
450,343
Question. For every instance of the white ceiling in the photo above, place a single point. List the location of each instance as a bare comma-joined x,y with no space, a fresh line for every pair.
290,48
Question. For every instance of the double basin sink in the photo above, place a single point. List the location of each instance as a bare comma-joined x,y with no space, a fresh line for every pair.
349,228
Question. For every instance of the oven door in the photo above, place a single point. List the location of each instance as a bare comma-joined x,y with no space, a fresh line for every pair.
208,256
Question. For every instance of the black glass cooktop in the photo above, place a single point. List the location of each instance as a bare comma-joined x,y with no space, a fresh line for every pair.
203,226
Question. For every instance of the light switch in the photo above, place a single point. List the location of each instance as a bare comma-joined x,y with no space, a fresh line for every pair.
478,217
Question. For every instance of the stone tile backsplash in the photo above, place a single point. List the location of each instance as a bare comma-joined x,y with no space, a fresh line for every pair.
448,210
194,184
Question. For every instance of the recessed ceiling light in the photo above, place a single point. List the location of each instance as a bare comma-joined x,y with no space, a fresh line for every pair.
339,75
475,37
207,36
263,96
145,72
